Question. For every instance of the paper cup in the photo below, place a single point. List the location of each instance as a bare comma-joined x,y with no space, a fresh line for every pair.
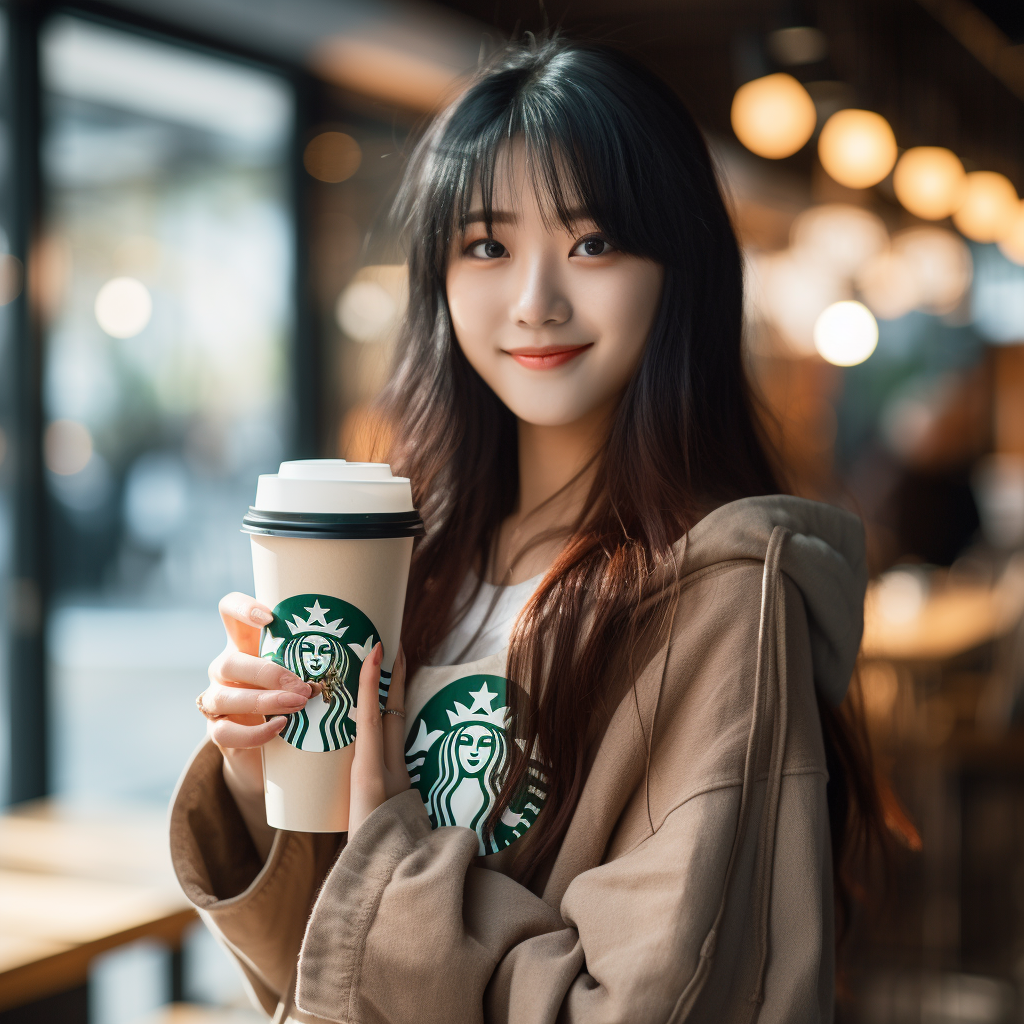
331,545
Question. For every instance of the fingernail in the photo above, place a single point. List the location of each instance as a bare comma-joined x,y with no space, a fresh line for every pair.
260,616
317,688
290,700
378,653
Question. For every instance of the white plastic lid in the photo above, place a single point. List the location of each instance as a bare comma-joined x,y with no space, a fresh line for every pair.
328,486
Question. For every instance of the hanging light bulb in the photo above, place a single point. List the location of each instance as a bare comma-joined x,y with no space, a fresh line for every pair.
857,147
988,208
1012,244
773,116
929,181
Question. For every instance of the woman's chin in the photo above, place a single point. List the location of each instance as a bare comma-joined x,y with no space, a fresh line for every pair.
559,411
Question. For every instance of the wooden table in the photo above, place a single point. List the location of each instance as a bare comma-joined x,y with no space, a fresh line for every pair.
75,883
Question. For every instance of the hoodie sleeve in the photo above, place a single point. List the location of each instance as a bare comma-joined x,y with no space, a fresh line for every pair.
408,929
721,912
256,910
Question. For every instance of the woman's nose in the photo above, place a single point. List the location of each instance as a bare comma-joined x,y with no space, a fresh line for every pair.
540,300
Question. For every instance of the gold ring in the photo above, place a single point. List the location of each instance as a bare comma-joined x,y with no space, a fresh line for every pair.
393,711
206,714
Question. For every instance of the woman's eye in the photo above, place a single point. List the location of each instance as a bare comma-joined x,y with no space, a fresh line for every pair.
593,246
487,249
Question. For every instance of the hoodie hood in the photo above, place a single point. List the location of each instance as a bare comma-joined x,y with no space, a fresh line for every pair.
824,556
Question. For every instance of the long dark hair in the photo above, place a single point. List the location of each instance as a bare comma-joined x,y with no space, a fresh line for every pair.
603,134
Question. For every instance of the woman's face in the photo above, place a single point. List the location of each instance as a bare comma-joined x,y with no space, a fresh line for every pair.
554,321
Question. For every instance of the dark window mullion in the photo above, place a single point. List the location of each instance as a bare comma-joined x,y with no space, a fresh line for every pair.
26,601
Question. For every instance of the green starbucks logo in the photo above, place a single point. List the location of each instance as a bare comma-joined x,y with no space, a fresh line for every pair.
456,753
326,645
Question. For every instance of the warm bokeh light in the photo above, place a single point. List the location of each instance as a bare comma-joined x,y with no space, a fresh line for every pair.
842,236
989,205
941,264
789,289
888,285
332,157
773,116
925,268
846,333
407,76
929,181
1012,243
857,147
371,306
365,311
899,596
67,447
123,307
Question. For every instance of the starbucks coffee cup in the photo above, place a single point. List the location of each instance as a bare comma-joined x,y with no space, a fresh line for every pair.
331,545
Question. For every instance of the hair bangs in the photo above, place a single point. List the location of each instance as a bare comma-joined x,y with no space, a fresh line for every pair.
584,156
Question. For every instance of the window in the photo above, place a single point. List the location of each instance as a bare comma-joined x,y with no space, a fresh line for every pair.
168,322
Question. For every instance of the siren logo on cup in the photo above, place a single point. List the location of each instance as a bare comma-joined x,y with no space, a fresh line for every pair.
322,640
456,751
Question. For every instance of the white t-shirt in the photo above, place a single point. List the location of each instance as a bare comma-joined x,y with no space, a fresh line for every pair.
497,622
456,718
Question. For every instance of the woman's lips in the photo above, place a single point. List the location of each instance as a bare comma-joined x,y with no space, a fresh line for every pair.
548,356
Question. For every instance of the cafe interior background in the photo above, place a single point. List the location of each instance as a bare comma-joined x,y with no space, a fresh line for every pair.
196,282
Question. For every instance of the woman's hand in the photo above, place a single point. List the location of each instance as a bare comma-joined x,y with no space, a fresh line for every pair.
378,766
252,694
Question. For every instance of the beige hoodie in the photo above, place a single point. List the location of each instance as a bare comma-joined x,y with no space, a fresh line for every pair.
694,882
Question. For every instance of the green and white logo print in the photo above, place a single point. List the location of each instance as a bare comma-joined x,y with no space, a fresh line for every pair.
456,752
322,640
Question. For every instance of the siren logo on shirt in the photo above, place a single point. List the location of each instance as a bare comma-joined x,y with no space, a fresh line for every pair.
456,752
322,640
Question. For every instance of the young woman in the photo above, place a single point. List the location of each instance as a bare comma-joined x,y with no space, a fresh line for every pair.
638,827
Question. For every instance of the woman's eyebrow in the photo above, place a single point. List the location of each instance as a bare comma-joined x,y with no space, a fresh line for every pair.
506,217
497,217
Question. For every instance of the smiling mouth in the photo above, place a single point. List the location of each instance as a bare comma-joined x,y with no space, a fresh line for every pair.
546,357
